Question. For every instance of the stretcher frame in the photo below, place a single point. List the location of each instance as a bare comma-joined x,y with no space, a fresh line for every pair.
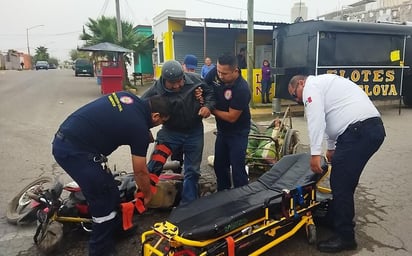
266,232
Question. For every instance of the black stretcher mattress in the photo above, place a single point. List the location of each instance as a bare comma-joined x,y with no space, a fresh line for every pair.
214,215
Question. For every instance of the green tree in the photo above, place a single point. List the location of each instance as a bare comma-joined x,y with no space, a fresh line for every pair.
41,54
104,29
75,54
54,61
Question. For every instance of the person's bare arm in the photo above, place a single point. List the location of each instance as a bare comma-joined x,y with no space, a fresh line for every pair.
315,164
141,177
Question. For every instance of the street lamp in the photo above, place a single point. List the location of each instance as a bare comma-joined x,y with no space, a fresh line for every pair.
27,37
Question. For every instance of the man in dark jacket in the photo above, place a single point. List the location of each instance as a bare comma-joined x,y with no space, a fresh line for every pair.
184,129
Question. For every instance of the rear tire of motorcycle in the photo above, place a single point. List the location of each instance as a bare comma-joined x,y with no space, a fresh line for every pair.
16,213
50,237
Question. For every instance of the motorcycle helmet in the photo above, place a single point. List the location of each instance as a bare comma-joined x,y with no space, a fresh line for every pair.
172,71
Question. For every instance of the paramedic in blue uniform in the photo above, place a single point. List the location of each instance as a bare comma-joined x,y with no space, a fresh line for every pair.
184,129
93,132
339,108
232,115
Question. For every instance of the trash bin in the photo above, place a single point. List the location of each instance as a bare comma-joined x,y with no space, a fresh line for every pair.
111,77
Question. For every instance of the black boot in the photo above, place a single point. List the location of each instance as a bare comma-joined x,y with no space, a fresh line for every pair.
337,244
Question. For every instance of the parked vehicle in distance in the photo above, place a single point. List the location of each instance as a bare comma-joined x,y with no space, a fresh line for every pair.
42,64
83,67
52,66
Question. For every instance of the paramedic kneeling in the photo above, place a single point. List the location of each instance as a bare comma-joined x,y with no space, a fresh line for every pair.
339,108
93,132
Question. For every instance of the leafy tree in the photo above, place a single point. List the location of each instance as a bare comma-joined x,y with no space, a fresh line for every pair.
75,54
54,61
104,29
41,54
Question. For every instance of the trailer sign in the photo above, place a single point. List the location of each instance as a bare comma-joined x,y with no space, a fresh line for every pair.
377,83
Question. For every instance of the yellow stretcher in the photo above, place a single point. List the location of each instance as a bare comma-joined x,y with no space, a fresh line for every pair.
243,221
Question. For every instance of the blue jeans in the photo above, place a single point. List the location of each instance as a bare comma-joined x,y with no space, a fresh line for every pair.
230,153
191,143
99,189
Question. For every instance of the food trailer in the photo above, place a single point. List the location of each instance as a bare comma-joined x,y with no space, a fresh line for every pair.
376,56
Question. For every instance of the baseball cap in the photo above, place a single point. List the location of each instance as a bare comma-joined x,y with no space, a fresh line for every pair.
190,61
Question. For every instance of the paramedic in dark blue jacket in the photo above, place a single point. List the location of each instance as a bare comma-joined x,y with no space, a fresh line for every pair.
93,132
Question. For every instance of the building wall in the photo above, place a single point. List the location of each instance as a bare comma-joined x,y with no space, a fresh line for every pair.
12,60
27,61
2,62
385,11
162,33
143,62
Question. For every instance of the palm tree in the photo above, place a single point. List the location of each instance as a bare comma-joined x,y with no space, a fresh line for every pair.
104,29
41,54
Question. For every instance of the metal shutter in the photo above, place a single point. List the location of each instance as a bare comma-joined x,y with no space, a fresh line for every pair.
192,43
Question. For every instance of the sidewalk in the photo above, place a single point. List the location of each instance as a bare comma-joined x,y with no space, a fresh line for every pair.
266,110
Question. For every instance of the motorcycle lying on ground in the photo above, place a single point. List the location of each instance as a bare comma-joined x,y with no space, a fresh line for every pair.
59,207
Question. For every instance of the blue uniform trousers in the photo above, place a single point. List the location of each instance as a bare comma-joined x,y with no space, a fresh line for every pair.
230,154
99,189
353,150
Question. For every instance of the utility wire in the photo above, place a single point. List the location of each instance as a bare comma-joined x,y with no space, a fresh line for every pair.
240,8
104,8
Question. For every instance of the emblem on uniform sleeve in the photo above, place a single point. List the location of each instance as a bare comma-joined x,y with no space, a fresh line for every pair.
228,94
126,100
308,101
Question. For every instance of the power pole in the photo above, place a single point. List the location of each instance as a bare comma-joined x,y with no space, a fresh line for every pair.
119,22
250,50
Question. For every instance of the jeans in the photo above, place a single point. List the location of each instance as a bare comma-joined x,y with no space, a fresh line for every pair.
230,159
99,189
191,143
266,84
353,150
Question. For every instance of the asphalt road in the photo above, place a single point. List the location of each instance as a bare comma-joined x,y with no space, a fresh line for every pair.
33,104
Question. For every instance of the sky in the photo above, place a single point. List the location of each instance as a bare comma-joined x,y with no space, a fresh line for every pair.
57,24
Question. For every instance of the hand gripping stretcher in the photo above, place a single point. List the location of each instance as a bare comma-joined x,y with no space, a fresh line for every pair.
248,220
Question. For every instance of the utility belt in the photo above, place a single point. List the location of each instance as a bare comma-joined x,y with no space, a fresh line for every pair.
95,157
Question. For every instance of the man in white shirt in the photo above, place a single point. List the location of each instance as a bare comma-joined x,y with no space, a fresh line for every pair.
340,109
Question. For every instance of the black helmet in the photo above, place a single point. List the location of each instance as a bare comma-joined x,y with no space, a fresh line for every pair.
172,71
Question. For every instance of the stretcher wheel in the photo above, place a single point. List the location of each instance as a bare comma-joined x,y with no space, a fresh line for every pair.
311,233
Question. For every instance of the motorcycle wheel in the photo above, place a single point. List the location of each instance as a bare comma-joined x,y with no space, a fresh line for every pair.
290,141
49,237
19,210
